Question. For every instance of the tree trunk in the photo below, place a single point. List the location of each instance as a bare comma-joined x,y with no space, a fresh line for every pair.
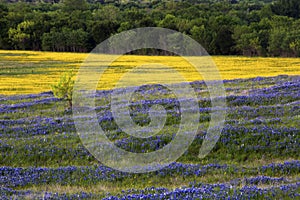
70,103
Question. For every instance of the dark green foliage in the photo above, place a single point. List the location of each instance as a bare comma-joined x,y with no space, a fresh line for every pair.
290,8
65,40
250,28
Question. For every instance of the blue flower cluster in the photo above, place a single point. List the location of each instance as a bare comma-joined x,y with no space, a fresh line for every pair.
12,177
264,180
287,167
35,99
212,191
198,191
8,194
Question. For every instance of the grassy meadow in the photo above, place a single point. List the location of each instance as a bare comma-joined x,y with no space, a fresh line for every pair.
256,157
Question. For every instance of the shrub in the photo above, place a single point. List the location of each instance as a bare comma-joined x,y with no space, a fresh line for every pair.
64,87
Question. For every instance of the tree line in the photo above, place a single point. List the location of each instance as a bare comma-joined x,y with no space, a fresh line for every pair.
222,27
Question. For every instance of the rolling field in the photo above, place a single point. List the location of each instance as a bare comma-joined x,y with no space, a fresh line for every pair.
28,72
256,157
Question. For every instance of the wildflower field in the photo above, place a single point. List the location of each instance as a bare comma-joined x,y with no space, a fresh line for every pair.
256,157
29,72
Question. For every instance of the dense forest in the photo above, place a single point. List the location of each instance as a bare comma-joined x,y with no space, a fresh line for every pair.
222,27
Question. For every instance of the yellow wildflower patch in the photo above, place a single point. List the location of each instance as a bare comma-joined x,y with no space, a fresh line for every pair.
24,72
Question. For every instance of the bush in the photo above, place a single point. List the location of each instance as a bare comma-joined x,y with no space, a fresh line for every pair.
64,88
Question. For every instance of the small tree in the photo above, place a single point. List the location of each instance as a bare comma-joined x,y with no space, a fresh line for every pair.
64,88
